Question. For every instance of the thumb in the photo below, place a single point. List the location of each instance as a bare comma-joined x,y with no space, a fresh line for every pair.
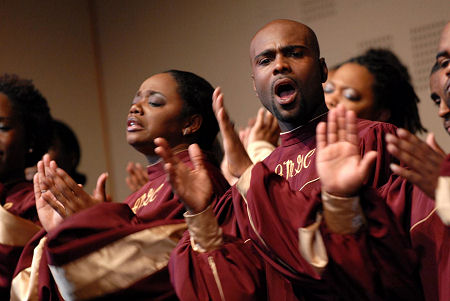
196,156
431,141
100,189
366,163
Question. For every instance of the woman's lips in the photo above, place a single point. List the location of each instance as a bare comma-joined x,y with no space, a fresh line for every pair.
133,125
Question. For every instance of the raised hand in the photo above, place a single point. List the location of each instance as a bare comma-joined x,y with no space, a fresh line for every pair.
137,176
48,216
237,157
341,169
193,186
63,194
265,128
423,159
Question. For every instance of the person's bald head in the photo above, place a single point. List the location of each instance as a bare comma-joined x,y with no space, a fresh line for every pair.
288,28
444,41
287,72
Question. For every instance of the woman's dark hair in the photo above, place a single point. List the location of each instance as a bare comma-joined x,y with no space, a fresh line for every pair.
392,88
197,95
32,109
65,144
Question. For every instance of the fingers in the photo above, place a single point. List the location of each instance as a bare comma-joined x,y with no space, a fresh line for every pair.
366,163
100,188
431,141
351,128
332,127
260,118
55,204
413,152
217,100
196,156
341,123
321,136
163,150
36,187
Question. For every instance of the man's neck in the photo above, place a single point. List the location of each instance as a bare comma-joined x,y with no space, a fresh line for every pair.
287,127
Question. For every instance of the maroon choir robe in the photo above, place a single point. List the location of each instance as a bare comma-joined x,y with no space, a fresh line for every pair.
274,217
431,238
115,251
18,223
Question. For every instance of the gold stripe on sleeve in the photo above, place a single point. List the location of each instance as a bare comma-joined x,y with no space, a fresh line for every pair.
118,265
443,199
14,230
212,265
25,285
312,247
243,184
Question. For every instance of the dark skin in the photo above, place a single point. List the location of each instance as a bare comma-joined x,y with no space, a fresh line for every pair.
424,159
339,164
13,146
155,111
288,73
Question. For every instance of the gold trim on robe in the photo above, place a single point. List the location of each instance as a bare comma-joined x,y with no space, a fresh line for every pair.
14,230
259,150
206,235
25,285
443,199
312,247
343,215
212,265
119,264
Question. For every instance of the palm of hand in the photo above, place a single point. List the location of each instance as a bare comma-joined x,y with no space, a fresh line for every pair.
48,216
193,186
338,166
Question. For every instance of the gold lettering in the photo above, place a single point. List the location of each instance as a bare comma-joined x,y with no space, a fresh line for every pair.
308,156
299,164
146,198
279,170
289,168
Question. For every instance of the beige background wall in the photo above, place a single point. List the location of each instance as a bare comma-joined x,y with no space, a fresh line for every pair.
51,42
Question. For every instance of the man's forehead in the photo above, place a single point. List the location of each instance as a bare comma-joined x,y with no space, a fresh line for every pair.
444,42
273,38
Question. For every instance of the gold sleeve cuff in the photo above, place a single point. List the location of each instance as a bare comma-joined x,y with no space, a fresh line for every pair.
312,247
206,235
25,285
443,199
243,184
14,230
259,150
343,215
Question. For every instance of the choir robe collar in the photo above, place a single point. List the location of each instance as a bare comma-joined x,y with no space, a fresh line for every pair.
301,133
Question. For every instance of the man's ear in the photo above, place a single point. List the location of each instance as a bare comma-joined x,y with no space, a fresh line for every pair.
193,124
323,70
254,86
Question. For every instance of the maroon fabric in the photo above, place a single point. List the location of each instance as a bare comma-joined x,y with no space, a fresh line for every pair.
96,227
431,239
445,167
21,196
362,266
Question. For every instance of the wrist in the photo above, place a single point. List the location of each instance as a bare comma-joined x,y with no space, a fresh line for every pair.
199,207
206,235
342,215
